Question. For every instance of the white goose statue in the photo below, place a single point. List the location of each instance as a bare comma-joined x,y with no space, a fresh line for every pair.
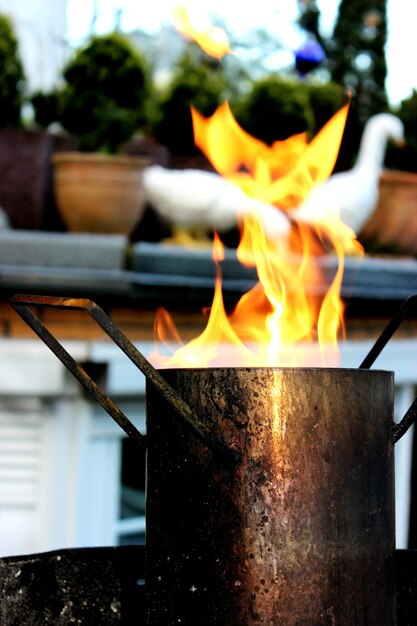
195,202
353,194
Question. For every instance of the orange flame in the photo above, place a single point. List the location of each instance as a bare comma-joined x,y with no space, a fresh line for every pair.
212,39
283,174
292,316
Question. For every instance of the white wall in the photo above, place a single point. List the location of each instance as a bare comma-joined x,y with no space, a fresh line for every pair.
40,27
60,453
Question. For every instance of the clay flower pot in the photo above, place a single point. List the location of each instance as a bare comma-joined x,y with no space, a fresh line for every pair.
99,193
393,224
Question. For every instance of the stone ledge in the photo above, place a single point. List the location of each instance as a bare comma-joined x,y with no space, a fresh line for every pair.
95,266
380,278
75,250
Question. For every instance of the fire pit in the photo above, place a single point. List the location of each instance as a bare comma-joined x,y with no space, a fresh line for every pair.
283,481
302,529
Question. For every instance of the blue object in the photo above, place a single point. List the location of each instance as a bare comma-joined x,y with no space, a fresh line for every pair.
308,57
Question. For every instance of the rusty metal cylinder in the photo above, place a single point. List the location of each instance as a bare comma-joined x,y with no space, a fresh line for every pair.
301,531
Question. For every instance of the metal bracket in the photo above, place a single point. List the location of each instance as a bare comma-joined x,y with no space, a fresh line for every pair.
22,304
398,430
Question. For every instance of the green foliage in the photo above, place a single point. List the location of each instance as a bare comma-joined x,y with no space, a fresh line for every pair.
12,79
325,100
357,61
198,81
46,107
408,114
275,108
406,158
358,53
105,99
309,20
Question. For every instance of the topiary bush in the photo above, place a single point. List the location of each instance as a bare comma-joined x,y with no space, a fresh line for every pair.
106,96
408,114
46,107
197,81
405,159
325,100
274,108
12,78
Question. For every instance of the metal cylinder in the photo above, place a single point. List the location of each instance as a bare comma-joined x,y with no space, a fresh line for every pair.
301,531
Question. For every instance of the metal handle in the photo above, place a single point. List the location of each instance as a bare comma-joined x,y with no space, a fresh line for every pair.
398,430
21,304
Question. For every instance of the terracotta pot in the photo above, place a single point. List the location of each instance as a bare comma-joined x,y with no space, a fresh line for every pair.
393,225
99,193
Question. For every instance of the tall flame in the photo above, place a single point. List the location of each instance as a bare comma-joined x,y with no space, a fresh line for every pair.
294,314
283,174
212,39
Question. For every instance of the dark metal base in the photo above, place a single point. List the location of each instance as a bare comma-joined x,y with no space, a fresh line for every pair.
89,586
105,587
406,572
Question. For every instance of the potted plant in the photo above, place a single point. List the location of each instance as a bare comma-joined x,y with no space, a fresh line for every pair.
104,102
24,151
12,77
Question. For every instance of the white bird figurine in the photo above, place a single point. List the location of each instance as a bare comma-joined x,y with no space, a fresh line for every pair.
194,202
353,195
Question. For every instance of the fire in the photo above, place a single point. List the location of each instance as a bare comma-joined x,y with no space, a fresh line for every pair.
282,174
212,39
292,316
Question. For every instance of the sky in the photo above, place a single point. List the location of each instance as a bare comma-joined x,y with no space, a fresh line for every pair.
277,15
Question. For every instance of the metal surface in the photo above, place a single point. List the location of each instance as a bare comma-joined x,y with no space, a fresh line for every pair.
88,586
285,514
301,532
22,303
398,430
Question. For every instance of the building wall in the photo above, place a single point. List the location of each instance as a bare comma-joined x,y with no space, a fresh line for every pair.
40,28
61,454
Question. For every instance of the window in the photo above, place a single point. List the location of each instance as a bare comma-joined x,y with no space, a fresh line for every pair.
131,524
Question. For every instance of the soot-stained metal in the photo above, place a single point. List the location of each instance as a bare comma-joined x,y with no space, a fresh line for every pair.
302,530
270,491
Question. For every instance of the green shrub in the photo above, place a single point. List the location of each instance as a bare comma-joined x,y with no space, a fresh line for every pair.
12,78
105,99
275,108
46,107
325,100
408,114
198,81
405,158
